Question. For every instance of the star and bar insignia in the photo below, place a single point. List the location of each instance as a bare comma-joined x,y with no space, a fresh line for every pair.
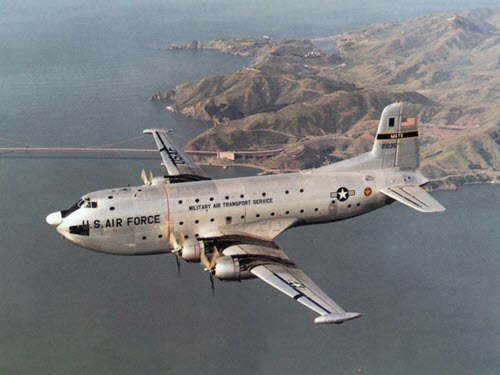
295,284
342,194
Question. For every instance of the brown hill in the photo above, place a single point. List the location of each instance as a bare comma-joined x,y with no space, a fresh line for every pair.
294,94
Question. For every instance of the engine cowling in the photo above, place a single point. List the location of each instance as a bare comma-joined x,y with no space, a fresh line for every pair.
191,250
228,269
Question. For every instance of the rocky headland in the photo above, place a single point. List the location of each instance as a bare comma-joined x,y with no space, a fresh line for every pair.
294,96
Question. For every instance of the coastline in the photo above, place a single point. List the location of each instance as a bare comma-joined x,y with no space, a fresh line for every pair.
283,98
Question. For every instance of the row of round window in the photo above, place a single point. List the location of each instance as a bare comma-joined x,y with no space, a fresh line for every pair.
257,215
161,236
197,200
242,217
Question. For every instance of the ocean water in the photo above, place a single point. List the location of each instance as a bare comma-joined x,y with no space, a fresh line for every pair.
79,73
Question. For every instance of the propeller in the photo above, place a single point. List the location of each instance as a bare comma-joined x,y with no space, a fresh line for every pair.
177,248
144,177
209,265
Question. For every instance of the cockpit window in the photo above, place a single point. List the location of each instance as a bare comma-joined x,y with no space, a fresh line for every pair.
86,203
82,203
70,210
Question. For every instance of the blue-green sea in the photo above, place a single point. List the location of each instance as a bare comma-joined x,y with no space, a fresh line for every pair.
79,73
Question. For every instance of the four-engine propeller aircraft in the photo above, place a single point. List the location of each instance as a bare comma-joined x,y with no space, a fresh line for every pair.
230,225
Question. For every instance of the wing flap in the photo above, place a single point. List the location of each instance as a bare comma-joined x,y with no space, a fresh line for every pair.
413,196
175,160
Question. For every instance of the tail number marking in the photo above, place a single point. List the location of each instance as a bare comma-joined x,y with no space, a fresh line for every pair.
389,145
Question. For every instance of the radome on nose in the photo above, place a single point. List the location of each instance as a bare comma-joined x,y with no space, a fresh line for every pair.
55,218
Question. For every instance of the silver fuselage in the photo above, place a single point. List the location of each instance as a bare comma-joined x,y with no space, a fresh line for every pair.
143,220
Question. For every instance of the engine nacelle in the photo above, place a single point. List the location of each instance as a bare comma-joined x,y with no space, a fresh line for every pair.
228,269
191,250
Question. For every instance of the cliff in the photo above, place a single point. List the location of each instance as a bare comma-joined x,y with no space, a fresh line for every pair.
294,94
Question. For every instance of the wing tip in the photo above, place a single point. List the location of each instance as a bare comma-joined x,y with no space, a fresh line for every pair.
152,130
337,318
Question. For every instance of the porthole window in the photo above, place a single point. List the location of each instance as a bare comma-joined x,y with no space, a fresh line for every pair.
196,235
186,236
196,221
301,190
160,236
357,205
144,237
110,197
211,199
333,202
301,211
272,213
263,194
227,196
197,200
287,192
258,215
287,213
139,189
242,216
180,202
112,208
349,206
181,223
316,209
212,220
242,196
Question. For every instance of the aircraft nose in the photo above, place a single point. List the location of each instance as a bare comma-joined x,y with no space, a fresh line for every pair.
55,218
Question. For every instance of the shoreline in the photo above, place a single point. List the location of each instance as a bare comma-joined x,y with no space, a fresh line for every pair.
299,81
442,187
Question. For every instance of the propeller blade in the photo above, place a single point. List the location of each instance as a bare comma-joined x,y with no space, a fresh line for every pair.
144,178
204,260
215,255
173,242
178,265
212,285
150,177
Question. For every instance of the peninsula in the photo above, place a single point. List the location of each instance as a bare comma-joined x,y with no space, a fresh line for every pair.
315,108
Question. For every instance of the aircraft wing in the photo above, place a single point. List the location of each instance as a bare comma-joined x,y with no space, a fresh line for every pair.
273,266
413,196
180,167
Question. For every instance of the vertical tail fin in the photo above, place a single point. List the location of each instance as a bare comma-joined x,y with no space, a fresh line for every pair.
396,143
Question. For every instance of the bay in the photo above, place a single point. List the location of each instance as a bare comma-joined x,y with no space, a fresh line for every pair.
79,74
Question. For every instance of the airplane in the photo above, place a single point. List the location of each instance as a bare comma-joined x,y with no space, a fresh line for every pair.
229,225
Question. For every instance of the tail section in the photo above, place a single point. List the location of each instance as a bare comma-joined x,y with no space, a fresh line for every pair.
396,142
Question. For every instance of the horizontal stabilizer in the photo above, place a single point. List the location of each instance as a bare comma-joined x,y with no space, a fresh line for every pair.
413,196
336,318
179,165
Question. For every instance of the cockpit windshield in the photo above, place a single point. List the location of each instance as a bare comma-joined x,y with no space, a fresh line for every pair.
84,202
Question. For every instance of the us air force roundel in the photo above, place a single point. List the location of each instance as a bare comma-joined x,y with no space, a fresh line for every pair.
342,194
